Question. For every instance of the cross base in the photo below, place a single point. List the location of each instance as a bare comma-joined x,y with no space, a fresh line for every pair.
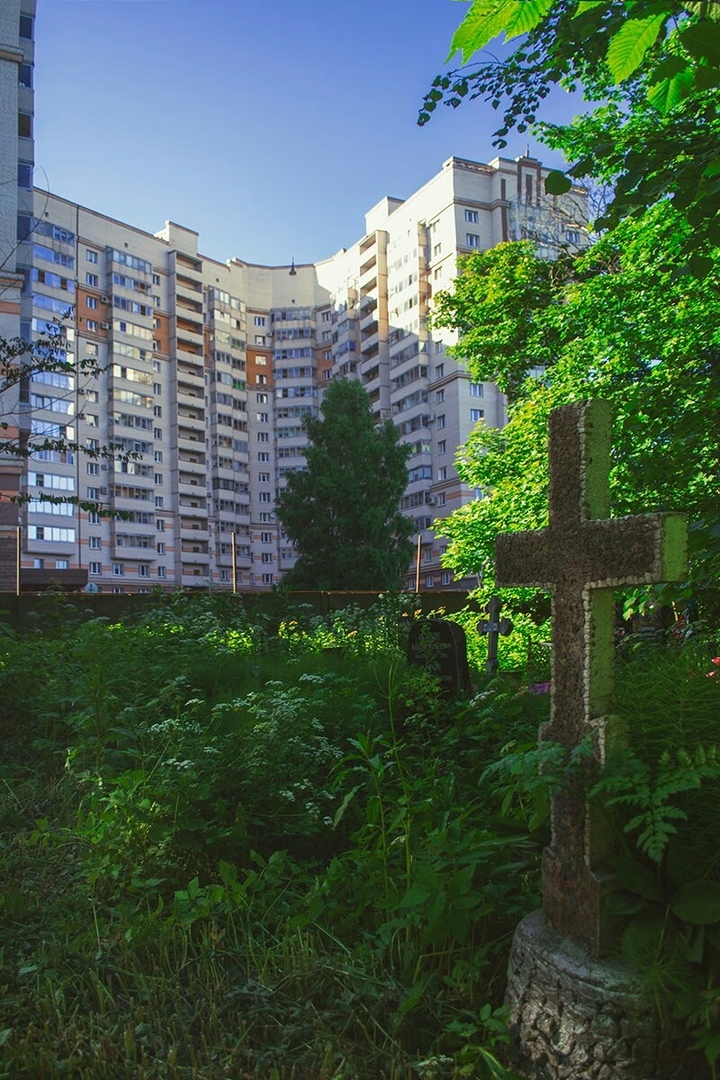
574,1016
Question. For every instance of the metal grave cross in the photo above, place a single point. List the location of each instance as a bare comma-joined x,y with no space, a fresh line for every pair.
493,627
582,557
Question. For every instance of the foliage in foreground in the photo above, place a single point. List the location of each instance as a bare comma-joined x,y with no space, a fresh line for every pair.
228,851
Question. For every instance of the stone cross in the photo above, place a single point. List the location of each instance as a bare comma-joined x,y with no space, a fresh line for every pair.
582,557
493,627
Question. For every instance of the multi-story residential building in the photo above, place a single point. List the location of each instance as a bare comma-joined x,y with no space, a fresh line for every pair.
16,196
208,370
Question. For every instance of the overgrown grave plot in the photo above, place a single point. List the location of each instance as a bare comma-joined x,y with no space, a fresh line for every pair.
231,851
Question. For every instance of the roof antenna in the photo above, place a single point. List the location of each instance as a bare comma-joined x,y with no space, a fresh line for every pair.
293,271
527,149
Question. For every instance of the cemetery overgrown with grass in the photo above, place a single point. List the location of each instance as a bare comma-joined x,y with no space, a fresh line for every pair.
266,846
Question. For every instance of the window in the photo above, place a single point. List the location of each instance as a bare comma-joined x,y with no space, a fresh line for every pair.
429,581
264,496
24,179
263,456
476,389
38,564
160,547
266,538
264,477
262,417
118,569
476,414
92,325
437,250
93,468
25,125
442,472
260,339
144,570
156,279
158,502
93,493
91,256
93,518
439,397
26,26
442,447
91,348
267,579
573,236
91,419
157,388
95,568
161,571
261,380
262,399
265,517
267,556
157,410
439,371
160,525
91,302
95,543
158,479
157,433
159,456
445,577
263,436
441,499
471,216
259,320
441,421
472,240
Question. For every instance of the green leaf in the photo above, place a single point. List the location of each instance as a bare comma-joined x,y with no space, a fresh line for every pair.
700,265
627,49
637,878
623,902
587,5
557,183
486,19
668,93
698,903
702,40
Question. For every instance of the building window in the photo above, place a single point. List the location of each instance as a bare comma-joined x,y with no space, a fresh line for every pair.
264,478
160,547
91,256
161,571
38,564
95,543
441,499
472,240
264,497
159,456
261,380
262,399
93,468
158,502
263,456
442,472
442,447
267,556
477,389
445,578
157,410
25,125
266,537
93,518
158,479
429,581
263,436
476,414
91,302
93,493
471,216
259,320
91,325
156,279
26,26
441,421
439,397
157,433
95,568
267,579
260,339
118,569
144,570
160,525
437,249
91,279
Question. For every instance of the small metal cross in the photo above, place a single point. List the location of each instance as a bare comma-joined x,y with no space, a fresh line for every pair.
493,627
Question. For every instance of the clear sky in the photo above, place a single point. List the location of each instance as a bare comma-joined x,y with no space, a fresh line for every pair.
269,126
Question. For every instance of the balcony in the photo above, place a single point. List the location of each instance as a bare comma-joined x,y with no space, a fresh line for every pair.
193,533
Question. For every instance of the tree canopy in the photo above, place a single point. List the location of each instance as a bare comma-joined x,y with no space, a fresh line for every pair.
624,326
341,511
651,66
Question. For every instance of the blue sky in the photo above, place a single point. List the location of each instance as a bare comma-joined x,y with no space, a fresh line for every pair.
269,127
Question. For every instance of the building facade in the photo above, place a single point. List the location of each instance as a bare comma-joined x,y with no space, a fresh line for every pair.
206,369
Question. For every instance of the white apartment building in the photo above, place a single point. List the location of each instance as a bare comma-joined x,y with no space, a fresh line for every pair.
208,368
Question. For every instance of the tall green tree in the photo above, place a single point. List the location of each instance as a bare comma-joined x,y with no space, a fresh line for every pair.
651,66
629,328
341,511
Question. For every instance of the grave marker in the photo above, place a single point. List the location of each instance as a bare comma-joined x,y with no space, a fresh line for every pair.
582,557
493,626
440,647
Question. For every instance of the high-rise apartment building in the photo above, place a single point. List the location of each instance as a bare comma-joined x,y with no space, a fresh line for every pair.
16,202
207,368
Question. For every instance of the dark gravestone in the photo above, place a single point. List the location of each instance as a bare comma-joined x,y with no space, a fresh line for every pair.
441,649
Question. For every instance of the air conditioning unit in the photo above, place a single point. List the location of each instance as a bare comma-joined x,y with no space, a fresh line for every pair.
104,326
103,491
104,468
430,500
105,299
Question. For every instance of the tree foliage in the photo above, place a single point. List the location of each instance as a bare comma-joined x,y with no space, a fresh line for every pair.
628,328
653,67
341,511
514,290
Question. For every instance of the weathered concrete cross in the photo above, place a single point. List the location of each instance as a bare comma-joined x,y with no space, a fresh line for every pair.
493,626
582,557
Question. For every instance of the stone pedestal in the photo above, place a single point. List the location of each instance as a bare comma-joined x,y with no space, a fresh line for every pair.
579,1018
